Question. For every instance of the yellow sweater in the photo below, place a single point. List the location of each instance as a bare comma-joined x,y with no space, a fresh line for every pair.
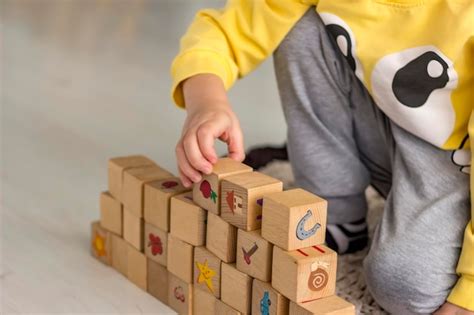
385,42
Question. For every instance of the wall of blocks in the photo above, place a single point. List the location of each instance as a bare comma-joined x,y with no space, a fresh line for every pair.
234,244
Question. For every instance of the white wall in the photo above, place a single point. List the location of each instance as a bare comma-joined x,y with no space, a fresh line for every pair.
87,80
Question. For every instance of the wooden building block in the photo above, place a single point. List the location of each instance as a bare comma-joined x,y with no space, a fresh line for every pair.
204,303
134,180
221,238
294,219
223,309
116,168
157,200
110,213
242,196
254,255
188,220
157,280
156,244
206,193
305,274
101,243
332,305
180,258
236,288
267,300
180,295
133,229
207,271
119,254
137,267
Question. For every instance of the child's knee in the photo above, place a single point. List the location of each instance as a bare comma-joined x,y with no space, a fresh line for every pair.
404,284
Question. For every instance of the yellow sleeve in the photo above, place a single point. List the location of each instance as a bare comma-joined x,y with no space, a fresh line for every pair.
233,41
463,292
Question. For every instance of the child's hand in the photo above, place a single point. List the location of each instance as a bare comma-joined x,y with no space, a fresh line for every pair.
451,309
209,117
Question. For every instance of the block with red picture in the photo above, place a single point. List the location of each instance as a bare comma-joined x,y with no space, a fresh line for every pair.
206,193
155,244
242,198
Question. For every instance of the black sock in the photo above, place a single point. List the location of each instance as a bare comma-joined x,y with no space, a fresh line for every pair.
347,237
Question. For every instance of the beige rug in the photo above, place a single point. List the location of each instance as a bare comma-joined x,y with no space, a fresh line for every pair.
350,278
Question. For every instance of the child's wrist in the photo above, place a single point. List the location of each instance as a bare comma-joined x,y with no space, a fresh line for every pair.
204,91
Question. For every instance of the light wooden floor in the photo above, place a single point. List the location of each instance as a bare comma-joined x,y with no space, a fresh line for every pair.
82,81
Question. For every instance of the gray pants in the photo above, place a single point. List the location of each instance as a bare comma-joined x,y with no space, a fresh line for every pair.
339,142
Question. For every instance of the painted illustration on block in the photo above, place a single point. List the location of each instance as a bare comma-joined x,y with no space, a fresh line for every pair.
206,274
249,253
265,303
179,294
234,202
301,232
319,277
207,192
169,184
154,241
98,244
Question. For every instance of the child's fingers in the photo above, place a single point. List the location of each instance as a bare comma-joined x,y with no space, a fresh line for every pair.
184,179
184,165
235,145
194,155
206,136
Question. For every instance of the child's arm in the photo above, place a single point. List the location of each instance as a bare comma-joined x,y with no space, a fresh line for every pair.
209,116
224,44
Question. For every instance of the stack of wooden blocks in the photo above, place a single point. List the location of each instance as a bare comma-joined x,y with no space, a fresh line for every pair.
236,244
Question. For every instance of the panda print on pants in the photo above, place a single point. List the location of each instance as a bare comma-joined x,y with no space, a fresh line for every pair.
345,40
413,87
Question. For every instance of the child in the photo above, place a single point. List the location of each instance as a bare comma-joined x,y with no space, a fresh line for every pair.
374,92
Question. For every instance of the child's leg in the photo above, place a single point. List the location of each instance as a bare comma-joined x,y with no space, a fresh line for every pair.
412,260
339,142
337,139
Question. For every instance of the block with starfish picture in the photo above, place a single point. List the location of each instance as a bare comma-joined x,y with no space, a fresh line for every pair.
207,271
